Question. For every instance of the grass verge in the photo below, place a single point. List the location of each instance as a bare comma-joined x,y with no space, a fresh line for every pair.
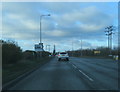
12,71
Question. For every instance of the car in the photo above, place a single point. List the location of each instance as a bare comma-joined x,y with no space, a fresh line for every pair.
63,56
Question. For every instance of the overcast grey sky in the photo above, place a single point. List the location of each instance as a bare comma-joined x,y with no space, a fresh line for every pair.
69,22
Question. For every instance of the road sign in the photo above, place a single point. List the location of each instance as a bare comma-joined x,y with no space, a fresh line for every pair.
96,52
39,47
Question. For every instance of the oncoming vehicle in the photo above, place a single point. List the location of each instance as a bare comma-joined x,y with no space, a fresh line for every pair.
63,55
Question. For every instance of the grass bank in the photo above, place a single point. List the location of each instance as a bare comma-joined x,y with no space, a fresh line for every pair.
12,71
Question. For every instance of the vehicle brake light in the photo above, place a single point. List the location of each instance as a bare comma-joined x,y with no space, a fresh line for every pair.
58,55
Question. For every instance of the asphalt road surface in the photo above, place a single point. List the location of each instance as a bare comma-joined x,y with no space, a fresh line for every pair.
77,74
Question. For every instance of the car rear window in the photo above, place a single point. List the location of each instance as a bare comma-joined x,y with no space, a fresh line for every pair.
63,53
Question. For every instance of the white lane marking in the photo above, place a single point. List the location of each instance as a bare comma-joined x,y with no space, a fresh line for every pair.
74,66
86,75
83,73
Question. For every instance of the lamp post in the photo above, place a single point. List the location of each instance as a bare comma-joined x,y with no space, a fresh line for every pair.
41,44
40,26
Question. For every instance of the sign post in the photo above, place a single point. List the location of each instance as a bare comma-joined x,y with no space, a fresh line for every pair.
39,48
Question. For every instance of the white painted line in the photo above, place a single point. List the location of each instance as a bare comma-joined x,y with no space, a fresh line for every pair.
86,75
74,66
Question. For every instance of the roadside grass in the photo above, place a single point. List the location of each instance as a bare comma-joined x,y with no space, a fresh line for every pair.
12,71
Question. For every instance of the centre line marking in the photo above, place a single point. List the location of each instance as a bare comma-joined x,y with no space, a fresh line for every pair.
83,73
86,75
74,66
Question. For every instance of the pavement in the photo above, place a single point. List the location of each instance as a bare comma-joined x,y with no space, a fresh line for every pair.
76,74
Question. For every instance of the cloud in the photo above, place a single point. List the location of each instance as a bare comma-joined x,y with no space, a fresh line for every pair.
56,33
90,27
93,20
21,21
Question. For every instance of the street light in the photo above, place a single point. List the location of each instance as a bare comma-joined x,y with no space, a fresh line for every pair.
41,44
40,26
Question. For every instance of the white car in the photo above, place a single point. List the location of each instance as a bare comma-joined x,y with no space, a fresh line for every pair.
63,55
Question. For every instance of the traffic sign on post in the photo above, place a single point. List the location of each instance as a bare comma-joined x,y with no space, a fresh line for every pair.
39,47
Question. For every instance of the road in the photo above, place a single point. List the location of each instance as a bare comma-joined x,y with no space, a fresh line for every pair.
77,74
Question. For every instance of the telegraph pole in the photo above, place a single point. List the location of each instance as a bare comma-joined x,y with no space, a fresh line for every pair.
48,48
54,51
72,48
109,32
81,47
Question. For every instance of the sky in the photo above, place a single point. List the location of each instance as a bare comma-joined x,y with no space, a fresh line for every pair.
69,23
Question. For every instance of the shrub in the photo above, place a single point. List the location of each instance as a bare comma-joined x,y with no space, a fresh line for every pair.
11,52
30,55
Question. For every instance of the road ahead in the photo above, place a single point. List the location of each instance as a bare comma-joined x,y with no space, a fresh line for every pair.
77,74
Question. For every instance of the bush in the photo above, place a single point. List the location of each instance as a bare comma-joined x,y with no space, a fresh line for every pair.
45,54
30,55
11,52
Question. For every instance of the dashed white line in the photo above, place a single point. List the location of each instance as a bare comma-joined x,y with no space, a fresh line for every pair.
83,73
74,66
86,75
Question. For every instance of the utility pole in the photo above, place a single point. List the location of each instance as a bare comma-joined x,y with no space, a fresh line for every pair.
46,47
49,47
81,47
109,32
72,48
54,51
